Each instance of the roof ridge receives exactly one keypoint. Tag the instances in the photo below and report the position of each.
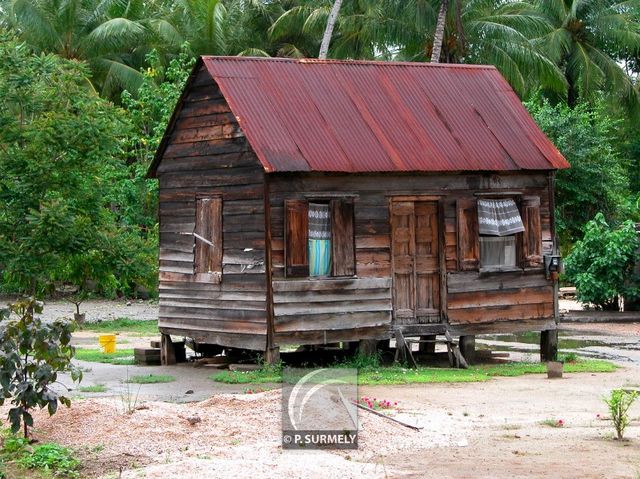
(317, 61)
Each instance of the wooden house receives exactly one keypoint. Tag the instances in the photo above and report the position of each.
(311, 202)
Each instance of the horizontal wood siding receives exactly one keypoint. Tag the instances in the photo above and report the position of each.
(208, 155)
(475, 298)
(371, 194)
(312, 309)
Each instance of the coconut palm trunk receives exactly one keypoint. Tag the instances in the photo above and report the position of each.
(439, 35)
(331, 21)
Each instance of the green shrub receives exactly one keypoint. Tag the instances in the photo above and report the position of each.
(601, 264)
(32, 353)
(619, 402)
(52, 458)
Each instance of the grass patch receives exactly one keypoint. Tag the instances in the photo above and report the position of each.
(374, 375)
(124, 325)
(266, 374)
(151, 379)
(19, 459)
(121, 356)
(96, 388)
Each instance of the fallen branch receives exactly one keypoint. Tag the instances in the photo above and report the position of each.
(410, 426)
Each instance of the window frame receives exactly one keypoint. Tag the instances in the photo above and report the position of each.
(339, 205)
(528, 244)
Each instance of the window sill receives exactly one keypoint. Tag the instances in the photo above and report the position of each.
(500, 269)
(510, 269)
(316, 278)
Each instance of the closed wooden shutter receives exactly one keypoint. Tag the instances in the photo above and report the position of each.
(296, 237)
(208, 258)
(532, 236)
(342, 238)
(468, 236)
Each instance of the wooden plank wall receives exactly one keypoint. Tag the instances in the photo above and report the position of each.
(373, 246)
(319, 311)
(208, 154)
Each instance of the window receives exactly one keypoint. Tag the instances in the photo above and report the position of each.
(499, 221)
(207, 258)
(319, 238)
(496, 234)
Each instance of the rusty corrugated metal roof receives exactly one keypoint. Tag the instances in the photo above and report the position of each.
(359, 116)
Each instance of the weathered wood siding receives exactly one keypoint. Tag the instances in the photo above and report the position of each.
(321, 311)
(208, 155)
(472, 298)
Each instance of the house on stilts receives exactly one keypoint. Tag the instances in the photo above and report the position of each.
(310, 202)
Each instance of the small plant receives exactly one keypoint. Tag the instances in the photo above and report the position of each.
(52, 458)
(569, 357)
(377, 404)
(255, 390)
(553, 422)
(32, 353)
(129, 401)
(619, 402)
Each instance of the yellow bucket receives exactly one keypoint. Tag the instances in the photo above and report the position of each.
(107, 343)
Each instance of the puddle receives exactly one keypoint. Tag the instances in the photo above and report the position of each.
(592, 345)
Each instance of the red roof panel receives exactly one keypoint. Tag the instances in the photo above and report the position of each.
(356, 116)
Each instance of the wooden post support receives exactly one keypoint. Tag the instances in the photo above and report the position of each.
(167, 352)
(427, 348)
(467, 346)
(272, 356)
(368, 347)
(549, 345)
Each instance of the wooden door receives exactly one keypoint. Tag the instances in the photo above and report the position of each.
(416, 259)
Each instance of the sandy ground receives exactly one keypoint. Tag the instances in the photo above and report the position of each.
(476, 430)
(98, 309)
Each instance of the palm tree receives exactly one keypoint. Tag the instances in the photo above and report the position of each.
(361, 30)
(587, 42)
(438, 37)
(480, 32)
(113, 36)
(217, 27)
(331, 21)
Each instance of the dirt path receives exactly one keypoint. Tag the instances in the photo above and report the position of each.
(491, 429)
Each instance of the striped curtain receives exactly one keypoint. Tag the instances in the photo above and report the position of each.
(499, 217)
(319, 240)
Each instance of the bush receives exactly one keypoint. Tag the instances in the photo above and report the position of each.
(601, 265)
(619, 403)
(32, 354)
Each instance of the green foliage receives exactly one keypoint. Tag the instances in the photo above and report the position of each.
(62, 157)
(32, 354)
(598, 178)
(121, 356)
(151, 379)
(52, 458)
(601, 264)
(619, 403)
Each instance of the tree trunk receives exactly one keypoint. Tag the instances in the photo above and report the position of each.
(331, 21)
(439, 35)
(572, 94)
